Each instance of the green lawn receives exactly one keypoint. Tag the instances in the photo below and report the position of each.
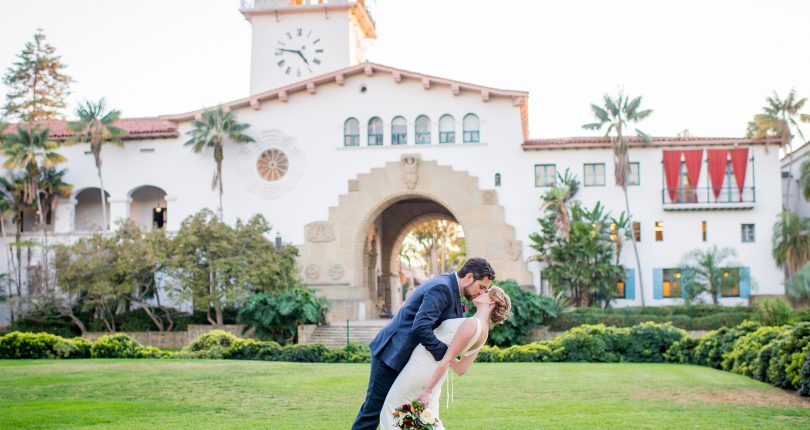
(200, 394)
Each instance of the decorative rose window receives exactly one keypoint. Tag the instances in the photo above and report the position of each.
(272, 165)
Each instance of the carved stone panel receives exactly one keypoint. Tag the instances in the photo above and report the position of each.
(488, 197)
(336, 272)
(320, 232)
(312, 272)
(410, 170)
(512, 249)
(354, 185)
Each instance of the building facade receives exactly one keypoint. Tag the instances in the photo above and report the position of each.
(351, 155)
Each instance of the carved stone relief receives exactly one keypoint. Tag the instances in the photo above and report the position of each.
(410, 170)
(336, 272)
(512, 249)
(312, 272)
(320, 232)
(489, 197)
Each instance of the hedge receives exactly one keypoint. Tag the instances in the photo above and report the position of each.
(687, 317)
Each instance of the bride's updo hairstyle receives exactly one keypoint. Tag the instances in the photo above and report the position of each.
(503, 305)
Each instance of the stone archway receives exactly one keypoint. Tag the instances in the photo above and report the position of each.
(335, 257)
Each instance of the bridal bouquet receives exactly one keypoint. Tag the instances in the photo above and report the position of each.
(415, 416)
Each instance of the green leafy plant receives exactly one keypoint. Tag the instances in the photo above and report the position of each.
(773, 311)
(276, 316)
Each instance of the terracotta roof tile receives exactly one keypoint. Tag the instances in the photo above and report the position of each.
(657, 141)
(137, 128)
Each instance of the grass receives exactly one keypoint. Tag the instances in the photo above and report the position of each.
(211, 394)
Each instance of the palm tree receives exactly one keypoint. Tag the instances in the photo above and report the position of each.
(704, 270)
(31, 149)
(96, 126)
(618, 113)
(212, 130)
(12, 193)
(52, 187)
(791, 241)
(778, 118)
(558, 200)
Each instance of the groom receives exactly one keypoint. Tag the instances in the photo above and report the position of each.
(436, 300)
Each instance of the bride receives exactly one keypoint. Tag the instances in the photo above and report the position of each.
(423, 376)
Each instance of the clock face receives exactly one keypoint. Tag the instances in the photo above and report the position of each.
(299, 52)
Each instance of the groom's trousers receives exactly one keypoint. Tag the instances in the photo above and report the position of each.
(381, 379)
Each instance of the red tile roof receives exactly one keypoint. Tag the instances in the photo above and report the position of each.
(604, 142)
(137, 128)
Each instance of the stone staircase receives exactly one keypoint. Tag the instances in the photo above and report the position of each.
(334, 334)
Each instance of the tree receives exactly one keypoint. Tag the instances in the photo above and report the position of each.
(778, 118)
(791, 241)
(558, 199)
(582, 261)
(31, 149)
(96, 126)
(37, 83)
(618, 113)
(211, 131)
(12, 190)
(798, 287)
(52, 187)
(706, 270)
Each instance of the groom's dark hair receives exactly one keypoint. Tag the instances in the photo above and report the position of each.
(479, 267)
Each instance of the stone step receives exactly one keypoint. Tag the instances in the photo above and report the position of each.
(334, 335)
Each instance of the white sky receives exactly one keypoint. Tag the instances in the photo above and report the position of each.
(702, 65)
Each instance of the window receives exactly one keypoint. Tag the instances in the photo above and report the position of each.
(447, 129)
(730, 282)
(635, 174)
(614, 236)
(703, 230)
(620, 289)
(637, 231)
(595, 175)
(399, 131)
(351, 132)
(497, 179)
(545, 175)
(375, 132)
(659, 231)
(470, 126)
(422, 130)
(747, 232)
(671, 287)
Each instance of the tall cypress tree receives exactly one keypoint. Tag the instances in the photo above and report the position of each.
(37, 85)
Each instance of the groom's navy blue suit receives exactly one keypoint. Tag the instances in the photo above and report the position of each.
(434, 301)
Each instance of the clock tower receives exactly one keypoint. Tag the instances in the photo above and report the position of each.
(294, 40)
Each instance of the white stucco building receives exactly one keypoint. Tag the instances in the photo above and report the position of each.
(350, 155)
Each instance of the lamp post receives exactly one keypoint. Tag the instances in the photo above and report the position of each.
(278, 241)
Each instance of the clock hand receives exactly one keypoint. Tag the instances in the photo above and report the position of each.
(302, 57)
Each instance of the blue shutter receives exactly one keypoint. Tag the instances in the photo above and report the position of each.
(745, 282)
(630, 284)
(658, 283)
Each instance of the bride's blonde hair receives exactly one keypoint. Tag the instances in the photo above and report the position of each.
(503, 305)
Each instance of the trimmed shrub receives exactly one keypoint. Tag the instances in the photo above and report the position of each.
(214, 344)
(648, 342)
(309, 353)
(687, 317)
(710, 349)
(122, 346)
(533, 352)
(589, 343)
(357, 352)
(773, 311)
(782, 351)
(682, 351)
(17, 345)
(743, 355)
(249, 349)
(804, 376)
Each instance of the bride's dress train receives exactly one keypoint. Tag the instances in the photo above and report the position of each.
(416, 374)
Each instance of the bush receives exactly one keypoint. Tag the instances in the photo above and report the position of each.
(804, 376)
(682, 351)
(533, 352)
(17, 345)
(648, 342)
(122, 346)
(309, 353)
(214, 344)
(786, 360)
(687, 317)
(773, 311)
(249, 349)
(712, 347)
(276, 316)
(588, 343)
(357, 352)
(743, 355)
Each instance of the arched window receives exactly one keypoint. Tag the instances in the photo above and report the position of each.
(447, 129)
(422, 130)
(471, 130)
(399, 131)
(375, 131)
(351, 132)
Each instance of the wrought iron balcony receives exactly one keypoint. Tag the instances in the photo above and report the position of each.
(702, 198)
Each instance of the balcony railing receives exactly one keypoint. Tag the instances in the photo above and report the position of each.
(703, 198)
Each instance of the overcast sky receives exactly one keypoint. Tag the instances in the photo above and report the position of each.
(706, 66)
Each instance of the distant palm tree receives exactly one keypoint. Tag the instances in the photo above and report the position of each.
(778, 118)
(791, 241)
(96, 126)
(618, 112)
(704, 270)
(12, 193)
(211, 131)
(51, 187)
(558, 199)
(31, 149)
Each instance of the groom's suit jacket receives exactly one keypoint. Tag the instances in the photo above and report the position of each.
(436, 300)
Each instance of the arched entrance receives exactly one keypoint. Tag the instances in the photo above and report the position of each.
(348, 258)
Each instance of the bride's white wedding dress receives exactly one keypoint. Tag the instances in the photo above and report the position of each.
(418, 371)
